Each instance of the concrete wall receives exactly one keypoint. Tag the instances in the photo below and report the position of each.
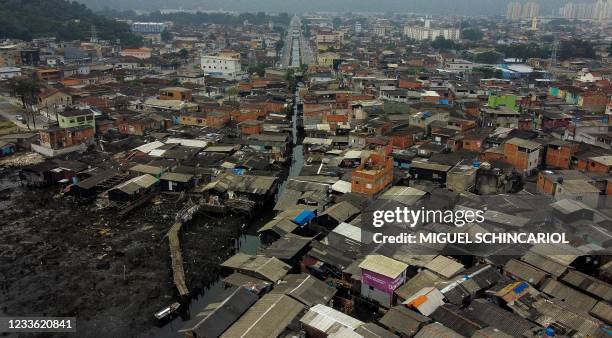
(48, 152)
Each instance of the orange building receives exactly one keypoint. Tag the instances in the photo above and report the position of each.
(332, 118)
(251, 127)
(217, 119)
(599, 164)
(373, 175)
(51, 74)
(410, 84)
(58, 138)
(474, 141)
(548, 180)
(559, 154)
(522, 154)
(175, 93)
(245, 115)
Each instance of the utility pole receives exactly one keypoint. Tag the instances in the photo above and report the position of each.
(553, 56)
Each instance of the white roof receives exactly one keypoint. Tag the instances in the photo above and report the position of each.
(9, 69)
(444, 266)
(383, 265)
(520, 68)
(430, 93)
(317, 141)
(168, 104)
(148, 147)
(349, 231)
(157, 152)
(353, 154)
(323, 318)
(433, 299)
(188, 142)
(342, 186)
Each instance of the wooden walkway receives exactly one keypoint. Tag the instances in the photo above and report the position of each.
(177, 259)
(178, 273)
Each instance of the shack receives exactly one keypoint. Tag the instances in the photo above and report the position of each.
(218, 317)
(95, 184)
(132, 189)
(271, 316)
(259, 266)
(429, 171)
(177, 182)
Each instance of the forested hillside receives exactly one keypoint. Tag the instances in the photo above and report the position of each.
(28, 19)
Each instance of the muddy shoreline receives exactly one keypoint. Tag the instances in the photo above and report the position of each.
(58, 258)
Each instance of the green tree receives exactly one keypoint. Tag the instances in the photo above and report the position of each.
(336, 21)
(442, 44)
(472, 34)
(166, 36)
(183, 54)
(232, 92)
(489, 72)
(488, 57)
(65, 20)
(258, 68)
(27, 91)
(576, 48)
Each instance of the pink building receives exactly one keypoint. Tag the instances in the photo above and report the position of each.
(139, 53)
(380, 276)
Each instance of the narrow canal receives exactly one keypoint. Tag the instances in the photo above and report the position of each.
(249, 241)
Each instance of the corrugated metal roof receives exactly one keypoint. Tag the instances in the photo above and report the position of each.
(176, 177)
(223, 316)
(305, 288)
(458, 320)
(403, 320)
(524, 271)
(383, 265)
(268, 318)
(147, 147)
(437, 330)
(371, 330)
(603, 311)
(269, 268)
(589, 284)
(147, 169)
(329, 320)
(499, 318)
(544, 264)
(571, 297)
(422, 279)
(524, 143)
(341, 211)
(444, 266)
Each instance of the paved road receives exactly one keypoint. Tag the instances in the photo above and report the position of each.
(9, 112)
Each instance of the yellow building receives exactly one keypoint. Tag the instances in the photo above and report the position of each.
(327, 59)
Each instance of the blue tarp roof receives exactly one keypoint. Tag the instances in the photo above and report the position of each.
(304, 217)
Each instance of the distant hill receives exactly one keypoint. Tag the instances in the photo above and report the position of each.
(28, 19)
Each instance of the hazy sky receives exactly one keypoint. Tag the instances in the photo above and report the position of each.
(460, 7)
